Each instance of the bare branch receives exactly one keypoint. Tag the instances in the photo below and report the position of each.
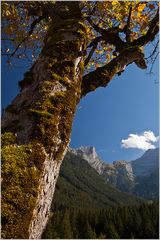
(33, 25)
(153, 56)
(93, 10)
(154, 51)
(93, 44)
(126, 29)
(153, 62)
(8, 39)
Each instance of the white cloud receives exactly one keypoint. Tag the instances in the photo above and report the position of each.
(143, 141)
(149, 135)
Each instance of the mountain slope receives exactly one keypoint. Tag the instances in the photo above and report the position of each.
(119, 173)
(80, 186)
(139, 177)
(146, 164)
(148, 186)
(146, 170)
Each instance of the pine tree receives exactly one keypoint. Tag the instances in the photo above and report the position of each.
(89, 232)
(102, 236)
(74, 223)
(132, 236)
(66, 231)
(119, 225)
(111, 232)
(148, 229)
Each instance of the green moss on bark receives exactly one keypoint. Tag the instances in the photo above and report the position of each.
(53, 114)
(8, 138)
(53, 117)
(21, 166)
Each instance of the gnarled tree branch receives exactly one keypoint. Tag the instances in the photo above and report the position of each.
(129, 53)
(103, 75)
(110, 35)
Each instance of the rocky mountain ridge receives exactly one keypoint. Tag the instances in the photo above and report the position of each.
(122, 174)
(79, 185)
(90, 155)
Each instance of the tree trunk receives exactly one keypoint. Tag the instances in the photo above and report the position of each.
(36, 126)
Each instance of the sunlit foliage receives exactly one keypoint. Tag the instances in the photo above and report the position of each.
(25, 23)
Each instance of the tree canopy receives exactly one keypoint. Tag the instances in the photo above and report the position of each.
(112, 28)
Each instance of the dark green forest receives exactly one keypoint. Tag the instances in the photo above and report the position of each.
(86, 207)
(122, 222)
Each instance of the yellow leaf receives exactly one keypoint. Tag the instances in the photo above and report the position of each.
(114, 3)
(8, 13)
(141, 7)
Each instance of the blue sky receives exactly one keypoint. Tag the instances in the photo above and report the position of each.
(128, 105)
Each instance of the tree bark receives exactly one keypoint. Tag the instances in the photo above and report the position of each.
(36, 126)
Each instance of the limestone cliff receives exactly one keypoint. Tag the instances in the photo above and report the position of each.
(138, 177)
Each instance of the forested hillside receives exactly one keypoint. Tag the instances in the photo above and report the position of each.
(80, 186)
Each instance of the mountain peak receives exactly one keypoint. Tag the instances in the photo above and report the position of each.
(90, 155)
(87, 149)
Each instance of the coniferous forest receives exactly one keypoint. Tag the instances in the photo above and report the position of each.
(122, 222)
(85, 207)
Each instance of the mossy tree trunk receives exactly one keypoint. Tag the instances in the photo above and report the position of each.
(36, 127)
